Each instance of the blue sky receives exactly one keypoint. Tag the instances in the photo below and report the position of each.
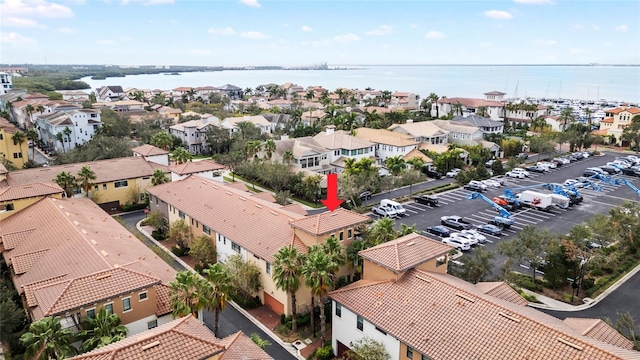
(305, 32)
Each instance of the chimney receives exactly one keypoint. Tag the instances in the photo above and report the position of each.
(330, 129)
(409, 121)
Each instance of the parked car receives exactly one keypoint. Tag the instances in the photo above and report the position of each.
(426, 200)
(490, 163)
(593, 171)
(472, 240)
(632, 171)
(611, 170)
(431, 173)
(439, 230)
(499, 178)
(537, 169)
(491, 183)
(523, 156)
(365, 195)
(385, 211)
(475, 185)
(574, 183)
(517, 175)
(489, 229)
(561, 160)
(458, 243)
(453, 173)
(548, 164)
(479, 237)
(455, 222)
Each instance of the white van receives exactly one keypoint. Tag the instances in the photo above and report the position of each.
(394, 205)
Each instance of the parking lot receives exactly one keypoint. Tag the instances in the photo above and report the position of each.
(556, 220)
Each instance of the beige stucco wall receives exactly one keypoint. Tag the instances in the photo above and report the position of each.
(21, 204)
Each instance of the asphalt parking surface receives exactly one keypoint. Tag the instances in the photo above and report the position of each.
(557, 220)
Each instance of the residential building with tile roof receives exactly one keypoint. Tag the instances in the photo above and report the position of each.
(404, 100)
(617, 119)
(408, 302)
(118, 181)
(495, 108)
(152, 154)
(307, 153)
(342, 145)
(110, 93)
(82, 123)
(193, 133)
(16, 153)
(69, 258)
(185, 338)
(240, 222)
(130, 107)
(259, 121)
(387, 143)
(487, 125)
(15, 198)
(204, 168)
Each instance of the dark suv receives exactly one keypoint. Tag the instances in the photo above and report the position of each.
(431, 173)
(426, 200)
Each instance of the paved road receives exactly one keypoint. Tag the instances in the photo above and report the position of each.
(231, 320)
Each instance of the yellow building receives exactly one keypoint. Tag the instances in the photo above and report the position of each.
(615, 122)
(15, 152)
(118, 182)
(15, 198)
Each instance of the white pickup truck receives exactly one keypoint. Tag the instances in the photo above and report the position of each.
(384, 210)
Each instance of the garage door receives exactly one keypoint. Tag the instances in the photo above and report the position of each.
(273, 304)
(342, 348)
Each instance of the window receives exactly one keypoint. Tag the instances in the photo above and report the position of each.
(425, 357)
(17, 155)
(341, 235)
(152, 324)
(126, 304)
(181, 214)
(206, 230)
(268, 269)
(7, 207)
(409, 352)
(360, 323)
(104, 186)
(338, 310)
(95, 188)
(121, 183)
(382, 331)
(143, 296)
(349, 234)
(235, 247)
(109, 308)
(91, 313)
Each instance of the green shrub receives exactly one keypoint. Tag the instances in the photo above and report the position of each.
(179, 251)
(588, 283)
(159, 234)
(597, 272)
(246, 303)
(325, 353)
(133, 207)
(283, 317)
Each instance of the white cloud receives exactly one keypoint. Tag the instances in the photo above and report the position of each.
(13, 21)
(66, 30)
(254, 35)
(34, 8)
(222, 31)
(534, 1)
(14, 38)
(346, 38)
(498, 14)
(382, 30)
(622, 28)
(544, 42)
(576, 51)
(252, 3)
(434, 35)
(306, 28)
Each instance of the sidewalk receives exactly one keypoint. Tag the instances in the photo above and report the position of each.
(552, 304)
(263, 327)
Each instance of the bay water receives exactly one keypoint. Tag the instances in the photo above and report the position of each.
(614, 83)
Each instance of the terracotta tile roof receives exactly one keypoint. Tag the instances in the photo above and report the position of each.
(184, 338)
(502, 291)
(105, 170)
(200, 124)
(67, 295)
(149, 150)
(29, 190)
(162, 300)
(419, 154)
(455, 126)
(194, 167)
(81, 239)
(260, 226)
(447, 318)
(470, 102)
(607, 120)
(599, 330)
(383, 136)
(400, 94)
(405, 252)
(240, 347)
(296, 208)
(423, 128)
(23, 262)
(341, 140)
(618, 110)
(329, 221)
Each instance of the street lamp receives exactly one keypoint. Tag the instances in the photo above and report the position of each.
(583, 262)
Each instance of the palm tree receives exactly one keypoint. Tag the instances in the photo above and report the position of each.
(32, 134)
(269, 148)
(287, 157)
(187, 294)
(181, 155)
(67, 182)
(457, 108)
(60, 139)
(251, 148)
(482, 111)
(566, 116)
(159, 177)
(287, 270)
(85, 175)
(310, 95)
(262, 343)
(46, 339)
(103, 329)
(433, 98)
(337, 255)
(217, 295)
(416, 162)
(40, 108)
(588, 112)
(395, 164)
(19, 138)
(67, 132)
(29, 110)
(162, 140)
(317, 272)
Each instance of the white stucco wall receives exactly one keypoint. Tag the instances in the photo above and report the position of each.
(344, 329)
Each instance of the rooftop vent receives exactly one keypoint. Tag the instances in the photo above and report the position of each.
(423, 279)
(259, 206)
(150, 345)
(107, 275)
(573, 345)
(273, 213)
(241, 198)
(228, 192)
(104, 253)
(465, 297)
(411, 243)
(509, 317)
(94, 242)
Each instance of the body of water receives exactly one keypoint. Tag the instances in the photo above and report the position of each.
(619, 83)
